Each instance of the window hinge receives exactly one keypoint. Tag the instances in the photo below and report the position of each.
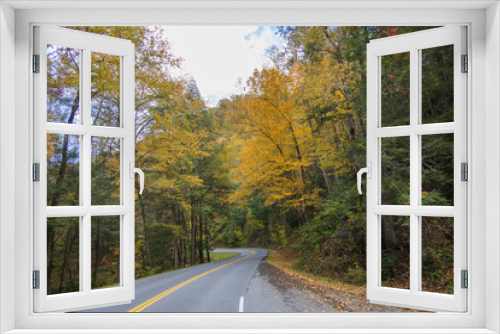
(36, 172)
(36, 63)
(464, 171)
(36, 279)
(465, 63)
(465, 279)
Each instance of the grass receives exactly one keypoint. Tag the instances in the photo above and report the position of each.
(222, 256)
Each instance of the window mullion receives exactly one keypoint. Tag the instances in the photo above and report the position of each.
(86, 121)
(103, 131)
(85, 245)
(415, 248)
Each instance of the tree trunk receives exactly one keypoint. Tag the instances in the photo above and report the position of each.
(50, 243)
(193, 232)
(64, 270)
(390, 241)
(96, 251)
(176, 252)
(326, 177)
(303, 211)
(184, 232)
(183, 253)
(64, 154)
(146, 249)
(207, 241)
(270, 221)
(200, 226)
(283, 218)
(176, 238)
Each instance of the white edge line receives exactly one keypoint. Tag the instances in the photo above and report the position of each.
(242, 300)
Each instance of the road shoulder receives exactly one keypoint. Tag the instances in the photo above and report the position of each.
(341, 297)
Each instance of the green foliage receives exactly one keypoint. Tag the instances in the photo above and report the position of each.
(333, 243)
(105, 241)
(274, 166)
(63, 255)
(325, 225)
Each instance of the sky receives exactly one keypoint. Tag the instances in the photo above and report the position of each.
(216, 56)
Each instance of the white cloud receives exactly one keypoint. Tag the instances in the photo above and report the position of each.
(216, 56)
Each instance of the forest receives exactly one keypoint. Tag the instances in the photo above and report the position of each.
(273, 167)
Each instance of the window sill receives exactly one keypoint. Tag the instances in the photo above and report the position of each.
(253, 331)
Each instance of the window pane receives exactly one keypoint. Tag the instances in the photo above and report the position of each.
(395, 251)
(105, 171)
(105, 103)
(437, 254)
(395, 89)
(437, 84)
(63, 84)
(63, 251)
(437, 169)
(105, 251)
(63, 170)
(395, 168)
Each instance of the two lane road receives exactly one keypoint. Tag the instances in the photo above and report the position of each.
(212, 287)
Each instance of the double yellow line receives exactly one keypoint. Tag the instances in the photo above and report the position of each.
(165, 293)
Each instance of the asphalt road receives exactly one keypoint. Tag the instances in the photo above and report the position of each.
(232, 285)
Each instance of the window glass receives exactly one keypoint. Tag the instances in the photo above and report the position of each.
(395, 168)
(395, 251)
(105, 171)
(105, 252)
(395, 81)
(438, 169)
(105, 103)
(63, 255)
(63, 170)
(63, 85)
(437, 84)
(437, 254)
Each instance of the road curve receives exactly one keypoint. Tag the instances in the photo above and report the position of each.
(211, 287)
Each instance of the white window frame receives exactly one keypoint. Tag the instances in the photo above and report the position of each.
(483, 131)
(414, 43)
(86, 43)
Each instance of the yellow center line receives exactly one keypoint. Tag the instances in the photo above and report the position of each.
(156, 298)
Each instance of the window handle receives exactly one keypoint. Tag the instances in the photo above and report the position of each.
(368, 171)
(134, 170)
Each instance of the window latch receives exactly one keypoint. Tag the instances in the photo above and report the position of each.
(368, 171)
(132, 171)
